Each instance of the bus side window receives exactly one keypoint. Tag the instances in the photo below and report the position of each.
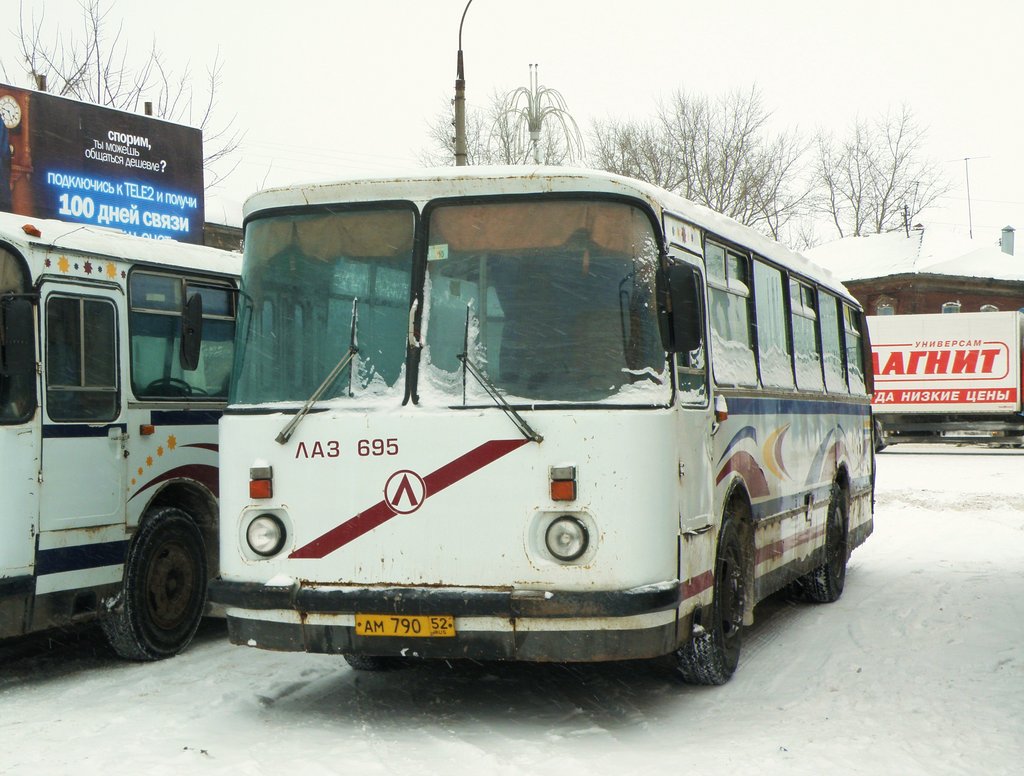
(854, 350)
(688, 335)
(831, 344)
(772, 330)
(155, 329)
(81, 359)
(806, 339)
(731, 331)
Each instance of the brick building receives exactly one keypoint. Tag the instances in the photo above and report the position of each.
(923, 271)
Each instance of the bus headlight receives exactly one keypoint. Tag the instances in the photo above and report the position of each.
(567, 538)
(265, 535)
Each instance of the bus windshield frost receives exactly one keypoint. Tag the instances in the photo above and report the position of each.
(553, 300)
(543, 415)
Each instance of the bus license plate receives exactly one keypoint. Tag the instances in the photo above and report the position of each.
(409, 626)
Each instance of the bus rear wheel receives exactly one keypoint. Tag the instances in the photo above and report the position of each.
(713, 652)
(164, 590)
(824, 584)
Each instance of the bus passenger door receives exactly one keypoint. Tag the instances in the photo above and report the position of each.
(84, 430)
(694, 402)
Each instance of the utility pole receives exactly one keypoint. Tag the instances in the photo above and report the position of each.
(460, 100)
(967, 180)
(967, 177)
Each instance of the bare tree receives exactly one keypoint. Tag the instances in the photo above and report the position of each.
(490, 138)
(730, 160)
(636, 149)
(718, 152)
(93, 64)
(875, 176)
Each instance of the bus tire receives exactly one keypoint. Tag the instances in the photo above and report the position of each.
(374, 662)
(713, 652)
(824, 584)
(164, 590)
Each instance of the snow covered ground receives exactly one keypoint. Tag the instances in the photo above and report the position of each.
(918, 669)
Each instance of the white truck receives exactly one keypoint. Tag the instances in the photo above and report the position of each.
(950, 378)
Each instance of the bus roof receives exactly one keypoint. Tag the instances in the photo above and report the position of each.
(113, 244)
(424, 185)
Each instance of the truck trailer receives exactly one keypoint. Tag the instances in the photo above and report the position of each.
(952, 378)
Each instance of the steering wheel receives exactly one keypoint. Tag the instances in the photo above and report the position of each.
(173, 385)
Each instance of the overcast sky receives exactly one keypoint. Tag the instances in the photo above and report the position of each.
(332, 89)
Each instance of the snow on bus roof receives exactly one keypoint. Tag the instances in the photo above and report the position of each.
(423, 185)
(112, 243)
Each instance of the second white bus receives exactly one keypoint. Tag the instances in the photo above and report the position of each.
(115, 354)
(532, 414)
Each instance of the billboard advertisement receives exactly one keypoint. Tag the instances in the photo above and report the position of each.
(64, 159)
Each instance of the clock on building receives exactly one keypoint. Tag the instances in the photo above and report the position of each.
(10, 111)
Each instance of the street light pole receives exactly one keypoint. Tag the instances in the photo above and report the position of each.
(460, 100)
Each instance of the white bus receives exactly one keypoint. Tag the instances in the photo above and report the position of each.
(115, 357)
(532, 414)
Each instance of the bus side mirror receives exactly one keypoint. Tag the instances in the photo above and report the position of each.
(191, 332)
(680, 313)
(17, 337)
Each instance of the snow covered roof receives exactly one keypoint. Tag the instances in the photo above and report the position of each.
(112, 243)
(923, 252)
(423, 185)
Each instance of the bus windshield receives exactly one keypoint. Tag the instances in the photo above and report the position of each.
(553, 300)
(314, 285)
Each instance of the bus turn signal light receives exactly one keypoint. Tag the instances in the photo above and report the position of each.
(563, 483)
(261, 482)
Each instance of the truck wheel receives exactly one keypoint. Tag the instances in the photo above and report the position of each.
(877, 437)
(824, 584)
(164, 590)
(712, 654)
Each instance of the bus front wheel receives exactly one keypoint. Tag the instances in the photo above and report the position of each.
(164, 589)
(375, 662)
(713, 652)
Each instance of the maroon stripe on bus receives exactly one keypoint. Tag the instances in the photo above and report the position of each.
(435, 482)
(698, 584)
(778, 548)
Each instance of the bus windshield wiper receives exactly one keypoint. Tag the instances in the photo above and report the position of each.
(492, 390)
(353, 349)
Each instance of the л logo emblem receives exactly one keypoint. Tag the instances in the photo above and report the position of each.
(405, 491)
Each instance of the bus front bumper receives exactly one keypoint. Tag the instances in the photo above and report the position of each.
(490, 624)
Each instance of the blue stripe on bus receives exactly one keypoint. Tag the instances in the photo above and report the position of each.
(185, 417)
(158, 418)
(79, 430)
(762, 405)
(84, 556)
(772, 507)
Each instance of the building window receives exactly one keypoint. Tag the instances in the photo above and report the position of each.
(884, 308)
(989, 308)
(951, 307)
